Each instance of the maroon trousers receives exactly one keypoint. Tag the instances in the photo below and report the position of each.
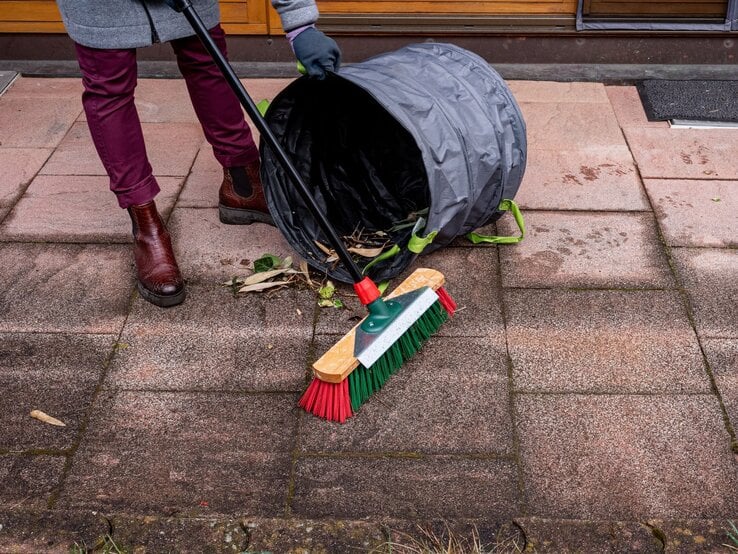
(109, 78)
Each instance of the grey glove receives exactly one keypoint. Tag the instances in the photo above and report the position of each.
(317, 52)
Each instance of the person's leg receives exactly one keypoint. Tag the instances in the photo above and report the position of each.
(109, 80)
(241, 197)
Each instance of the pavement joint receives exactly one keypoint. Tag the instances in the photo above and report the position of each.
(57, 490)
(690, 315)
(511, 392)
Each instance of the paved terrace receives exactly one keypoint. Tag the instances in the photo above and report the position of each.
(584, 398)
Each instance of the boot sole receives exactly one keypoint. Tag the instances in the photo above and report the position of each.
(160, 300)
(236, 216)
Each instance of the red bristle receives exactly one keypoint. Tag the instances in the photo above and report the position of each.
(330, 401)
(446, 301)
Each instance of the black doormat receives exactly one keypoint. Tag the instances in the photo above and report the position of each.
(694, 100)
(6, 77)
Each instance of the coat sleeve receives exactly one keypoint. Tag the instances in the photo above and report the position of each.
(296, 13)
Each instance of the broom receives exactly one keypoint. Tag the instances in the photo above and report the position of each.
(395, 329)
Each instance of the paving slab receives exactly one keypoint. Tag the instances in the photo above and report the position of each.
(46, 88)
(55, 373)
(27, 482)
(452, 397)
(19, 167)
(55, 532)
(570, 125)
(696, 213)
(552, 91)
(76, 154)
(684, 153)
(603, 342)
(151, 534)
(404, 486)
(694, 536)
(201, 453)
(603, 537)
(202, 184)
(211, 252)
(69, 208)
(308, 535)
(63, 288)
(586, 178)
(214, 341)
(722, 354)
(583, 249)
(29, 123)
(629, 109)
(710, 277)
(625, 457)
(471, 279)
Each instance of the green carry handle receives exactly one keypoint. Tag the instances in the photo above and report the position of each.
(505, 206)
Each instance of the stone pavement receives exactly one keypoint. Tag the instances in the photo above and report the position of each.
(585, 398)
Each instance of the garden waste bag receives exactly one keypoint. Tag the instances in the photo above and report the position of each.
(404, 152)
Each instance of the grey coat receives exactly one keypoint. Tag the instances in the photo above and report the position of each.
(137, 23)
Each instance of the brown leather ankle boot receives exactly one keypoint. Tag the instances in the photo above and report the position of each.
(241, 196)
(159, 280)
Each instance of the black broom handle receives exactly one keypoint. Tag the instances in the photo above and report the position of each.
(185, 6)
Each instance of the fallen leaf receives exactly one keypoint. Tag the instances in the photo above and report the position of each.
(286, 263)
(262, 276)
(366, 252)
(327, 291)
(258, 287)
(267, 262)
(325, 303)
(327, 251)
(715, 199)
(46, 418)
(305, 272)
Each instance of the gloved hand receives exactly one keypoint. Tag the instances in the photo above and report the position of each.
(316, 51)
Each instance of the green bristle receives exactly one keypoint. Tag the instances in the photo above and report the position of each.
(363, 382)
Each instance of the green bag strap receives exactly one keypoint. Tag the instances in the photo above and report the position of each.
(263, 106)
(386, 255)
(417, 244)
(505, 206)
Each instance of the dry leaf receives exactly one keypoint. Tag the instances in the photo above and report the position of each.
(262, 276)
(46, 418)
(258, 287)
(327, 251)
(305, 272)
(331, 259)
(366, 252)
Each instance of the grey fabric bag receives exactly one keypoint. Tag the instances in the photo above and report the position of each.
(412, 148)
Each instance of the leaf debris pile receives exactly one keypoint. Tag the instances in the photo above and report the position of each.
(271, 272)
